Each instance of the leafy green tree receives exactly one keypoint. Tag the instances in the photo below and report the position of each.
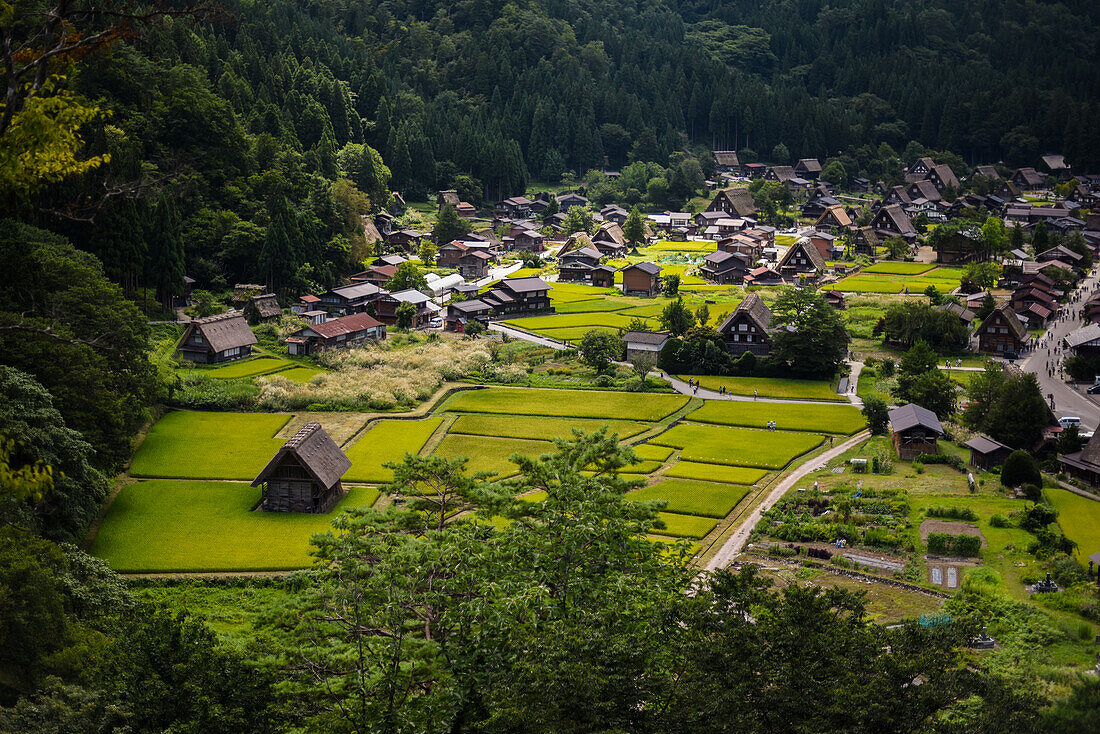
(76, 490)
(1070, 440)
(1019, 414)
(809, 338)
(935, 298)
(634, 227)
(781, 155)
(835, 173)
(449, 226)
(676, 318)
(1020, 468)
(918, 361)
(702, 314)
(427, 253)
(994, 235)
(897, 248)
(363, 165)
(64, 324)
(933, 390)
(1040, 238)
(579, 219)
(877, 414)
(406, 312)
(408, 275)
(982, 393)
(670, 284)
(1016, 237)
(600, 348)
(989, 304)
(980, 276)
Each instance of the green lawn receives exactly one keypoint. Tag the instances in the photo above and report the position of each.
(715, 473)
(386, 441)
(515, 426)
(166, 526)
(490, 453)
(843, 419)
(568, 403)
(771, 387)
(738, 446)
(709, 499)
(1079, 518)
(899, 268)
(685, 526)
(248, 368)
(199, 445)
(943, 278)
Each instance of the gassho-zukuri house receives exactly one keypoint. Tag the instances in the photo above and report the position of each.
(304, 476)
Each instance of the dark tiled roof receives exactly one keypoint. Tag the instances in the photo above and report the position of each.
(912, 415)
(985, 445)
(645, 337)
(648, 268)
(525, 285)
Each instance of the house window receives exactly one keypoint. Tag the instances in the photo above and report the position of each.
(742, 327)
(231, 352)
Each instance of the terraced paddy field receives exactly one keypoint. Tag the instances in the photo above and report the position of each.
(944, 279)
(899, 268)
(738, 446)
(166, 526)
(840, 419)
(685, 497)
(490, 453)
(715, 473)
(566, 403)
(685, 526)
(545, 429)
(771, 387)
(199, 445)
(387, 441)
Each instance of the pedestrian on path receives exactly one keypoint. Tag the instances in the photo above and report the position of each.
(754, 394)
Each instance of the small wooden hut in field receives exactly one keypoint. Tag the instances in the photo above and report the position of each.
(305, 475)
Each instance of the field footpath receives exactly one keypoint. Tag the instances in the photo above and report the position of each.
(736, 542)
(684, 389)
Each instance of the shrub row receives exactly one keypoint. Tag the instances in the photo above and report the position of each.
(954, 512)
(946, 544)
(952, 461)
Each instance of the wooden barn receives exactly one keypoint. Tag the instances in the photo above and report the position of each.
(262, 308)
(916, 431)
(985, 453)
(305, 475)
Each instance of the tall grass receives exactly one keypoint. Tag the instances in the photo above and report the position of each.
(376, 377)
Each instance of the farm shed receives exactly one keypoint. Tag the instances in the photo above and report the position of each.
(305, 475)
(916, 431)
(985, 453)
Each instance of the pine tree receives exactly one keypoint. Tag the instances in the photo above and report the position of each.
(634, 227)
(166, 262)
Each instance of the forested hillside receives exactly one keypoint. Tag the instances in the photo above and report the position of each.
(243, 134)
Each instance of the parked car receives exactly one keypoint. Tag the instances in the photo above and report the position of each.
(1093, 390)
(1069, 420)
(1011, 356)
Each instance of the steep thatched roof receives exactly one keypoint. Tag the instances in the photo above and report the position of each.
(315, 451)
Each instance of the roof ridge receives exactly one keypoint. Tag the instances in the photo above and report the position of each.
(302, 434)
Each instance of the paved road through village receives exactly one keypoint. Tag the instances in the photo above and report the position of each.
(1068, 401)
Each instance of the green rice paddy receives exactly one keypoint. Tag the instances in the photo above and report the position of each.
(1079, 518)
(166, 526)
(490, 453)
(771, 387)
(842, 419)
(715, 473)
(386, 441)
(685, 526)
(737, 446)
(514, 426)
(567, 403)
(709, 499)
(199, 445)
(899, 268)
